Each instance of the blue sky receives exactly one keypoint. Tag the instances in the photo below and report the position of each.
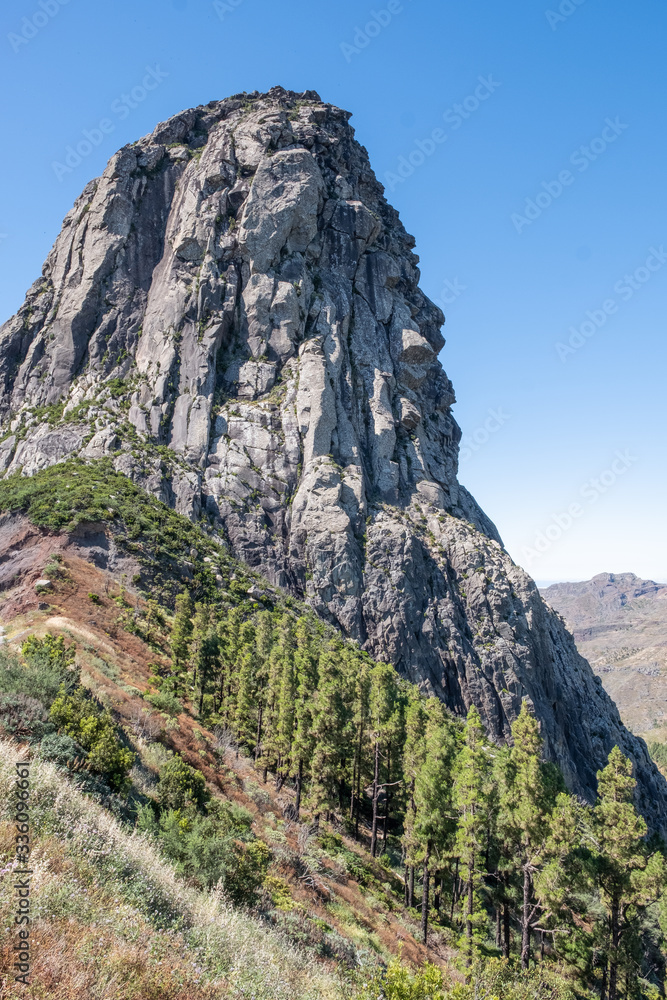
(537, 205)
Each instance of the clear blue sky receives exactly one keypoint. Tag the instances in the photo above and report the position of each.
(516, 286)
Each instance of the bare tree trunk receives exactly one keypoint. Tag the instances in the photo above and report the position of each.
(376, 782)
(469, 914)
(603, 986)
(525, 925)
(411, 896)
(425, 893)
(258, 738)
(499, 928)
(299, 785)
(455, 886)
(354, 788)
(358, 804)
(406, 885)
(615, 941)
(506, 929)
(387, 796)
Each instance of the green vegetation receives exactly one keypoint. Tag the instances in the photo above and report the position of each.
(73, 493)
(92, 728)
(494, 847)
(543, 895)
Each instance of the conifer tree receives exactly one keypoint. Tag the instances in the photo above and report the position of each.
(207, 663)
(628, 874)
(414, 752)
(435, 823)
(181, 632)
(358, 672)
(306, 666)
(472, 796)
(286, 711)
(382, 701)
(229, 634)
(200, 627)
(525, 808)
(246, 698)
(329, 734)
(264, 643)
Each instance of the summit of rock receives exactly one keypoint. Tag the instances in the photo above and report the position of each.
(232, 314)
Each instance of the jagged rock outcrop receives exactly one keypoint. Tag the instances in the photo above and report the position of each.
(232, 312)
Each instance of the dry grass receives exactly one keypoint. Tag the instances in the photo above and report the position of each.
(113, 922)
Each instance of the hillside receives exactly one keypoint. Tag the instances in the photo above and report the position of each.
(194, 835)
(619, 623)
(231, 316)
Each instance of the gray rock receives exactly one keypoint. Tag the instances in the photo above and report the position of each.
(261, 302)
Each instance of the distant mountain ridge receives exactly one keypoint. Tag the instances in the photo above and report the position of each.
(619, 622)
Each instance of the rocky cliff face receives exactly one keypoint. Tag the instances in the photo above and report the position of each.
(232, 312)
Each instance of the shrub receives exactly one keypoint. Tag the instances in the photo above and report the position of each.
(209, 849)
(181, 786)
(164, 701)
(22, 715)
(93, 728)
(247, 877)
(61, 749)
(50, 651)
(48, 669)
(397, 983)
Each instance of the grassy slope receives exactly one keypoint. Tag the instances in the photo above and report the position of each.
(334, 905)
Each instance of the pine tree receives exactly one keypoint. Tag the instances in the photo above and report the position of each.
(306, 665)
(200, 627)
(358, 672)
(264, 643)
(472, 796)
(414, 752)
(229, 634)
(435, 823)
(525, 808)
(329, 734)
(629, 875)
(382, 702)
(286, 712)
(207, 663)
(245, 720)
(181, 632)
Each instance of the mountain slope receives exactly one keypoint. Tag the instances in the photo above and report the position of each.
(619, 623)
(232, 315)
